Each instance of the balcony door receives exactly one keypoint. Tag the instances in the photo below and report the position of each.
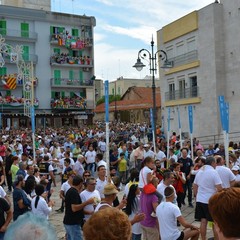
(171, 91)
(182, 90)
(193, 86)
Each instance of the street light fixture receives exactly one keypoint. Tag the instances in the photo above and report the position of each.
(153, 69)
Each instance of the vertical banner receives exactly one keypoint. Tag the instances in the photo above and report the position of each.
(106, 88)
(227, 117)
(190, 118)
(168, 132)
(153, 133)
(33, 119)
(180, 127)
(221, 103)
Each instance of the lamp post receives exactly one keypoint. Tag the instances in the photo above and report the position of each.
(153, 69)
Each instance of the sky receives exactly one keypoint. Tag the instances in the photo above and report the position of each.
(123, 27)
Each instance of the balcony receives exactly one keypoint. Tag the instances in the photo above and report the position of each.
(65, 60)
(182, 94)
(18, 81)
(26, 57)
(15, 102)
(17, 35)
(185, 58)
(66, 82)
(71, 42)
(69, 103)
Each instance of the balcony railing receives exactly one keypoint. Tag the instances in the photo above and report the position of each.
(66, 82)
(71, 41)
(15, 102)
(185, 58)
(11, 33)
(69, 103)
(26, 57)
(19, 82)
(66, 60)
(181, 94)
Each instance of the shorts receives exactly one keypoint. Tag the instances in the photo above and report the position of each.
(202, 211)
(181, 237)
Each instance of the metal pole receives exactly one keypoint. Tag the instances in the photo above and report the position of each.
(33, 122)
(152, 70)
(115, 110)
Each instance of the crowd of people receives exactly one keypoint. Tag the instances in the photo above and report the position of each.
(155, 185)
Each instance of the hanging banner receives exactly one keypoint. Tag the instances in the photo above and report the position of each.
(106, 87)
(227, 116)
(190, 118)
(221, 103)
(179, 120)
(169, 119)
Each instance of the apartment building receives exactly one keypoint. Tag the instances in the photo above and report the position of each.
(204, 48)
(60, 46)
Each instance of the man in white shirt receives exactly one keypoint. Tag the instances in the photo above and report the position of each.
(78, 166)
(90, 192)
(101, 180)
(90, 156)
(206, 183)
(226, 175)
(160, 155)
(168, 214)
(100, 161)
(148, 152)
(102, 145)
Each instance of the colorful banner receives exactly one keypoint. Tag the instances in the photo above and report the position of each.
(106, 87)
(190, 118)
(227, 116)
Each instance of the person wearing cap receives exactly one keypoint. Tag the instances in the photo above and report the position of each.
(148, 152)
(206, 183)
(227, 177)
(168, 214)
(235, 170)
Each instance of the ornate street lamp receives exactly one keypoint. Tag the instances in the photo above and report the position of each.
(153, 70)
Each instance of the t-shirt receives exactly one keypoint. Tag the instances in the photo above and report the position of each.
(70, 217)
(90, 156)
(19, 194)
(226, 176)
(187, 164)
(146, 202)
(14, 170)
(143, 176)
(206, 179)
(65, 187)
(167, 214)
(161, 188)
(4, 207)
(122, 165)
(85, 195)
(159, 156)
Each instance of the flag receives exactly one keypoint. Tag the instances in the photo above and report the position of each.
(10, 82)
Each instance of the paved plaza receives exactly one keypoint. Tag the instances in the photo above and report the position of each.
(57, 218)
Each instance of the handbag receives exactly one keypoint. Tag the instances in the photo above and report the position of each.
(148, 188)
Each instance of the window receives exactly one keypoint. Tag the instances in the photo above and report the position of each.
(75, 32)
(24, 30)
(83, 93)
(112, 91)
(169, 51)
(81, 76)
(171, 87)
(191, 44)
(119, 91)
(71, 75)
(57, 30)
(25, 53)
(182, 92)
(193, 86)
(3, 27)
(180, 48)
(3, 71)
(57, 77)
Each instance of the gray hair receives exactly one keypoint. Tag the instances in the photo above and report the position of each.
(210, 161)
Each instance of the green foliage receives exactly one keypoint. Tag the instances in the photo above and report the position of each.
(112, 98)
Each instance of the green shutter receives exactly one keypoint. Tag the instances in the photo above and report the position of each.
(51, 30)
(8, 93)
(75, 32)
(26, 53)
(80, 53)
(61, 30)
(71, 75)
(3, 71)
(24, 30)
(3, 27)
(57, 77)
(56, 50)
(72, 94)
(81, 76)
(70, 53)
(52, 94)
(62, 94)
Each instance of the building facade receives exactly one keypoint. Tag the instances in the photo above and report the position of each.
(61, 48)
(205, 52)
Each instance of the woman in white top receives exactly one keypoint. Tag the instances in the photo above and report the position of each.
(133, 208)
(146, 173)
(39, 205)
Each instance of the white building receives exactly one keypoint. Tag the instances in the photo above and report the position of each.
(205, 50)
(61, 48)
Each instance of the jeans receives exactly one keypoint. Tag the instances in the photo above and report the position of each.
(136, 236)
(73, 232)
(188, 187)
(91, 167)
(1, 235)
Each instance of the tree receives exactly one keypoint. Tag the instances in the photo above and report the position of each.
(112, 98)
